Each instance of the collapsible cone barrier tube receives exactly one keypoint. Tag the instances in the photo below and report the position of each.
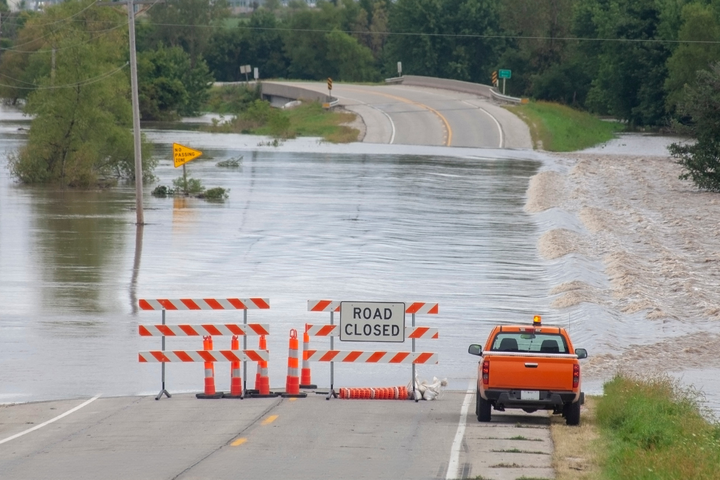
(390, 393)
(235, 376)
(292, 386)
(306, 380)
(209, 374)
(262, 380)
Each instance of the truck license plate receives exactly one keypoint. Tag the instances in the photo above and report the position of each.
(529, 395)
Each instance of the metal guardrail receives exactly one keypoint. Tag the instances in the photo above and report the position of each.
(454, 85)
(506, 98)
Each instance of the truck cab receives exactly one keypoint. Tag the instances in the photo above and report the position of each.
(529, 367)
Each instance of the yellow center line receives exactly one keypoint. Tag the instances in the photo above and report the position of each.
(269, 420)
(238, 442)
(412, 102)
(293, 399)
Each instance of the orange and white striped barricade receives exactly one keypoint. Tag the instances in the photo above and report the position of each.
(163, 330)
(332, 331)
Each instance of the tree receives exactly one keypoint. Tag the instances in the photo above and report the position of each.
(169, 88)
(699, 23)
(445, 38)
(631, 66)
(701, 103)
(347, 59)
(82, 115)
(187, 24)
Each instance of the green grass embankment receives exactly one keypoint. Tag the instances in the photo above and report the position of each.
(654, 430)
(558, 128)
(312, 120)
(256, 117)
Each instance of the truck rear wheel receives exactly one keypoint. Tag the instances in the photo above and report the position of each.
(572, 413)
(482, 408)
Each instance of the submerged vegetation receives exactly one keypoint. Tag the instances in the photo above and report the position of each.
(258, 117)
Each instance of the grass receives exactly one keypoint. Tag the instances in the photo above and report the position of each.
(645, 429)
(256, 117)
(655, 430)
(312, 120)
(558, 128)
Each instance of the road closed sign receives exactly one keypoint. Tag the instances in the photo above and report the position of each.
(372, 322)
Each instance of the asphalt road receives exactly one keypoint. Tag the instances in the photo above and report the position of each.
(407, 115)
(276, 438)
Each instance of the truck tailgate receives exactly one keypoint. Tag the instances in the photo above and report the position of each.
(547, 372)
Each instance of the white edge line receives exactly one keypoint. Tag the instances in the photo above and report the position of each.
(454, 463)
(392, 124)
(502, 139)
(72, 410)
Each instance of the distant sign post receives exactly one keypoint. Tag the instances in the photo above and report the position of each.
(399, 69)
(246, 70)
(182, 155)
(372, 322)
(504, 74)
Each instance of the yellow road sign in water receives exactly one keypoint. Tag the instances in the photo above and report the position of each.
(183, 154)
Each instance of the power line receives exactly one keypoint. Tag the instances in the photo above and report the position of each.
(67, 85)
(448, 35)
(98, 32)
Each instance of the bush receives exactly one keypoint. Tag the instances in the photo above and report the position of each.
(701, 108)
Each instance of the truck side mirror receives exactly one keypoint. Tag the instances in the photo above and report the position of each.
(475, 349)
(581, 353)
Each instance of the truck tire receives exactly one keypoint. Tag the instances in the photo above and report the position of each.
(482, 408)
(572, 413)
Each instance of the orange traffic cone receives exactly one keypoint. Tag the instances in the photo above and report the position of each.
(262, 380)
(292, 385)
(305, 374)
(235, 376)
(209, 374)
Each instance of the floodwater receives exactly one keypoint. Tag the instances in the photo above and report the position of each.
(304, 221)
(296, 227)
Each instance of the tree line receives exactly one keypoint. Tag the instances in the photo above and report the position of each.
(635, 60)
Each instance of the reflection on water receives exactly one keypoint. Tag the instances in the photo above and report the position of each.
(73, 243)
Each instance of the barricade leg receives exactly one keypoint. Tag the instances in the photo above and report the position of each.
(235, 376)
(306, 380)
(292, 386)
(209, 374)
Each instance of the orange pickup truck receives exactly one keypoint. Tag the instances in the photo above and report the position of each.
(531, 367)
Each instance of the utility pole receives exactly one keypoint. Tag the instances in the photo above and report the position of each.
(135, 101)
(136, 116)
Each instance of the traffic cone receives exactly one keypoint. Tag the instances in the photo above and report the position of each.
(292, 385)
(235, 376)
(262, 380)
(305, 374)
(209, 374)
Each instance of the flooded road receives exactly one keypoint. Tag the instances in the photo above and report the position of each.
(305, 220)
(297, 226)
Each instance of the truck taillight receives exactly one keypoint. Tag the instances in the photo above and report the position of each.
(576, 375)
(486, 372)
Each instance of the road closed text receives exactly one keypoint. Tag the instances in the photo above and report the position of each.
(372, 322)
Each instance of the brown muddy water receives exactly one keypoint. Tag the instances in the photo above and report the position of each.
(304, 220)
